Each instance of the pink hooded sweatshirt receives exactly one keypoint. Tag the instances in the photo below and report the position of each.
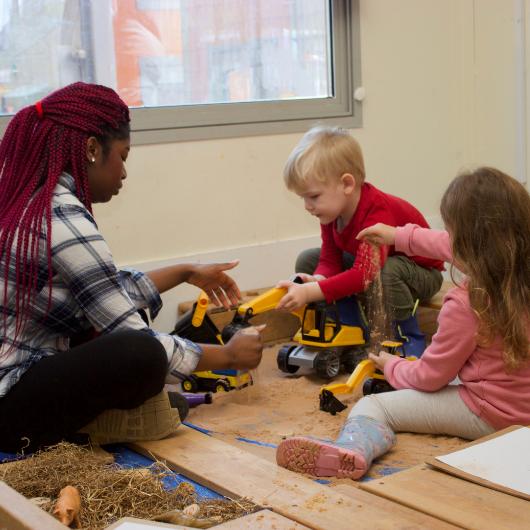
(500, 398)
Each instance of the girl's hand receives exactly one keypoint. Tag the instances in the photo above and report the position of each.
(296, 296)
(379, 234)
(244, 349)
(380, 359)
(212, 279)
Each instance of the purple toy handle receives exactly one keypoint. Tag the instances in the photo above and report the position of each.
(197, 399)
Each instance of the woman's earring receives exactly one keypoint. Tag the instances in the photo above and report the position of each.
(93, 159)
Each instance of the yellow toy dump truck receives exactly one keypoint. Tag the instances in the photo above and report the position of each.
(197, 326)
(332, 337)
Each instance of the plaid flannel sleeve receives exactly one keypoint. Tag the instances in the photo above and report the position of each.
(82, 258)
(141, 290)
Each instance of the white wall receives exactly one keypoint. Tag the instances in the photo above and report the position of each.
(440, 84)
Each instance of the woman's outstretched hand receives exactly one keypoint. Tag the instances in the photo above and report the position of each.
(379, 234)
(212, 279)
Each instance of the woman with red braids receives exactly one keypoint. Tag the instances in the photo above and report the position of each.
(58, 280)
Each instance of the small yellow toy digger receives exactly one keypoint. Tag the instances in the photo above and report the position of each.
(365, 373)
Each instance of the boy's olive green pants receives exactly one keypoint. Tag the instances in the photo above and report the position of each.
(404, 281)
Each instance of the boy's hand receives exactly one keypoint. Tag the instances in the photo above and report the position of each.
(295, 297)
(298, 294)
(379, 234)
(380, 359)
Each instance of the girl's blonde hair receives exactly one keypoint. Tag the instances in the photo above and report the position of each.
(487, 214)
(324, 153)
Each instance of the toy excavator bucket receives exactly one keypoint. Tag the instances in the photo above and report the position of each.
(329, 403)
(262, 303)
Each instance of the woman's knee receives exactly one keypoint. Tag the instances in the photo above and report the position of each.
(146, 353)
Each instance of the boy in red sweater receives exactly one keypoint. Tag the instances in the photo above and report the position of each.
(326, 169)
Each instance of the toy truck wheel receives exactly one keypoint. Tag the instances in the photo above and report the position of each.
(382, 386)
(350, 359)
(327, 364)
(190, 384)
(222, 385)
(376, 386)
(368, 387)
(283, 359)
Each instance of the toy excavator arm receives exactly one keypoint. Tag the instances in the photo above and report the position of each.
(262, 303)
(200, 309)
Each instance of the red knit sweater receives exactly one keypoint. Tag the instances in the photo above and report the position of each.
(374, 207)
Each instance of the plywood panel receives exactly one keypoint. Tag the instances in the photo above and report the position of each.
(17, 513)
(452, 499)
(234, 472)
(513, 461)
(262, 520)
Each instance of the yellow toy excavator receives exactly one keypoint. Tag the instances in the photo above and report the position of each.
(325, 342)
(365, 374)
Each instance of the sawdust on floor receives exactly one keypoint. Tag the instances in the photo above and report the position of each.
(280, 405)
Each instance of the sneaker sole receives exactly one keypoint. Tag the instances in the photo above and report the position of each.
(153, 420)
(319, 459)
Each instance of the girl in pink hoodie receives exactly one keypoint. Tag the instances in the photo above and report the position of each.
(483, 334)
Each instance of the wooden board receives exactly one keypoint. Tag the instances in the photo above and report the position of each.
(132, 523)
(236, 473)
(442, 466)
(452, 499)
(428, 321)
(17, 513)
(262, 520)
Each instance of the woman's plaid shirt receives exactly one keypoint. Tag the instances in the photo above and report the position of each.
(87, 291)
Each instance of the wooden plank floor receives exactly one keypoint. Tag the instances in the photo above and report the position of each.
(262, 520)
(452, 499)
(237, 473)
(17, 513)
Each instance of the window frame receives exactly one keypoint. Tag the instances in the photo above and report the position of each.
(150, 125)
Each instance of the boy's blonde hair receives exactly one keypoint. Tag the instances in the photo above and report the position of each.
(324, 153)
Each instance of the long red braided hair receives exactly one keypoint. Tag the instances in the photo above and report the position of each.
(41, 142)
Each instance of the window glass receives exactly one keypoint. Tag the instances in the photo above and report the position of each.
(158, 53)
(189, 69)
